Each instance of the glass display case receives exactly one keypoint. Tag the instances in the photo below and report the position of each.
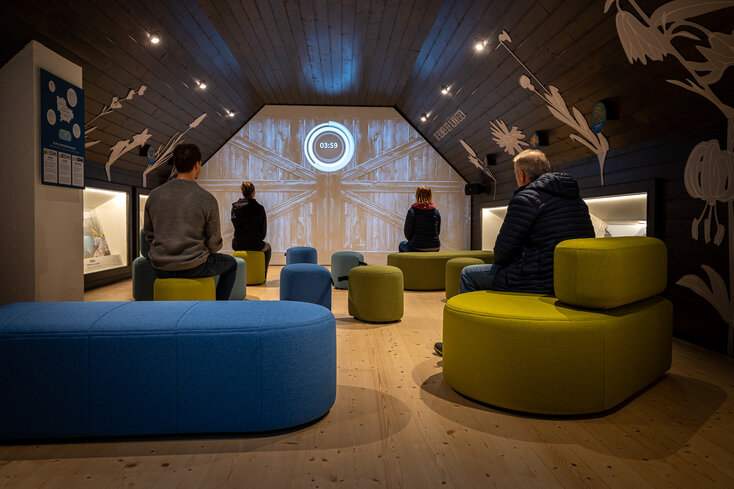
(612, 215)
(105, 230)
(141, 211)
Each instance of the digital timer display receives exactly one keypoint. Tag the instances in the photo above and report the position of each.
(329, 146)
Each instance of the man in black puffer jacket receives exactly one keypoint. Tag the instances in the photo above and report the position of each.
(545, 210)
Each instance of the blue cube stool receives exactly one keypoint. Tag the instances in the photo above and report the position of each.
(239, 290)
(301, 254)
(341, 263)
(306, 282)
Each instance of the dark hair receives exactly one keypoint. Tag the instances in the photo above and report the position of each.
(185, 157)
(247, 189)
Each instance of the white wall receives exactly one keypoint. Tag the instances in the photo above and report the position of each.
(41, 249)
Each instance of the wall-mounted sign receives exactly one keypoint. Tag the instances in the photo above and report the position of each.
(450, 123)
(329, 146)
(598, 117)
(62, 132)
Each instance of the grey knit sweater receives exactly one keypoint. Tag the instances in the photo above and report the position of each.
(182, 225)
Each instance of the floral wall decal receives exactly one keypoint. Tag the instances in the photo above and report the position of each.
(652, 37)
(597, 143)
(709, 172)
(115, 103)
(122, 147)
(164, 152)
(510, 140)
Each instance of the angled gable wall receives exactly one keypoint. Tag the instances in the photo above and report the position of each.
(359, 207)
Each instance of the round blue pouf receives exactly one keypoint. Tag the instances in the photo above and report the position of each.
(301, 254)
(341, 263)
(306, 282)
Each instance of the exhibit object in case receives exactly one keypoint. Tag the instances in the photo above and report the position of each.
(105, 230)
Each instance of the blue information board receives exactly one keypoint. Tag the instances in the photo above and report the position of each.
(62, 132)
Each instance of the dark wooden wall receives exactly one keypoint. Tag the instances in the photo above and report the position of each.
(661, 160)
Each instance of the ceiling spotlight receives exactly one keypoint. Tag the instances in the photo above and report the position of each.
(230, 113)
(154, 38)
(480, 45)
(445, 90)
(424, 117)
(201, 84)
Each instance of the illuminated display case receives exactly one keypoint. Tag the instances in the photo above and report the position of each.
(106, 230)
(141, 211)
(612, 214)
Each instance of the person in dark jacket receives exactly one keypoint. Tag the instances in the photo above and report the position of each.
(545, 210)
(422, 224)
(250, 224)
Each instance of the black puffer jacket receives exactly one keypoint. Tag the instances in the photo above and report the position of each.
(540, 215)
(250, 225)
(422, 226)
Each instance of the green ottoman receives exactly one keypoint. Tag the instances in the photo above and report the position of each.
(453, 273)
(376, 293)
(605, 337)
(255, 265)
(426, 270)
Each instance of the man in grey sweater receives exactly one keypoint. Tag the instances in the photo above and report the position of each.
(182, 226)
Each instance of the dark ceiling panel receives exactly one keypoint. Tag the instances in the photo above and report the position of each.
(358, 52)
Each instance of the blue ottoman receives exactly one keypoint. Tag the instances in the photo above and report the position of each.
(341, 263)
(301, 254)
(239, 290)
(80, 369)
(306, 282)
(143, 274)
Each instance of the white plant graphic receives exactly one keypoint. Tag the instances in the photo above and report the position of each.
(115, 103)
(122, 147)
(709, 173)
(164, 152)
(597, 143)
(474, 160)
(510, 140)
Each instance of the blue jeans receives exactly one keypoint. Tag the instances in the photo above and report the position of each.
(477, 277)
(216, 264)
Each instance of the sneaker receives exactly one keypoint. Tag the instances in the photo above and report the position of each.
(438, 348)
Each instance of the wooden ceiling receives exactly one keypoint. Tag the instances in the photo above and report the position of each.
(359, 52)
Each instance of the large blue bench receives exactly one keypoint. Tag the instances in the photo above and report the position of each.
(78, 369)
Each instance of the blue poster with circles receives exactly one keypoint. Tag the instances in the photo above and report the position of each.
(62, 132)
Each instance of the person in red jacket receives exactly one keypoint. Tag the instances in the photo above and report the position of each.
(422, 224)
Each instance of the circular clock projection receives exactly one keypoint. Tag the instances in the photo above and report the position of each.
(329, 146)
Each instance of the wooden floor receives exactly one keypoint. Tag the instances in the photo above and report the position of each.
(396, 424)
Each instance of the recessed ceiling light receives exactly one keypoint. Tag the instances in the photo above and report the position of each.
(479, 46)
(229, 113)
(155, 39)
(201, 84)
(445, 90)
(424, 117)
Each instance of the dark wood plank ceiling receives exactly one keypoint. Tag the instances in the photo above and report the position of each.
(358, 52)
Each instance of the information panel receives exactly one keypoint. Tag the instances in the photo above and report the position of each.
(62, 132)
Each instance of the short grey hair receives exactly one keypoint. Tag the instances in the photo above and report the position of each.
(532, 162)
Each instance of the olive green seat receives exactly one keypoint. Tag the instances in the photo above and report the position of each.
(426, 270)
(453, 273)
(254, 266)
(376, 293)
(603, 338)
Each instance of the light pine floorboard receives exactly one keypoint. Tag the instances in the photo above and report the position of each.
(396, 424)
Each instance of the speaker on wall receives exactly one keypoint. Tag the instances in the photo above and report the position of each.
(473, 188)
